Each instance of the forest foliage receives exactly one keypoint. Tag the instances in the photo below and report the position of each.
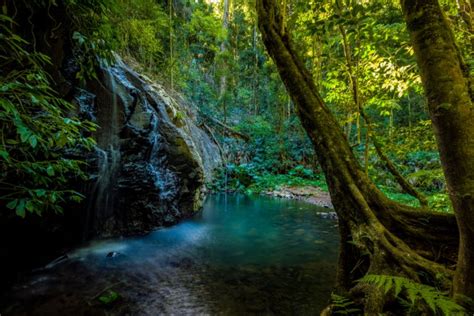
(40, 134)
(341, 41)
(187, 45)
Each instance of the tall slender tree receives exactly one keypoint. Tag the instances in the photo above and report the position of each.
(223, 78)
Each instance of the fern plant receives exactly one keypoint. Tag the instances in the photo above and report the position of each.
(415, 293)
(343, 306)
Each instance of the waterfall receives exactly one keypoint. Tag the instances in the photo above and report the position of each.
(108, 162)
(165, 180)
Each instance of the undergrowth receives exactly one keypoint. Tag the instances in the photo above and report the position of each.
(415, 296)
(251, 179)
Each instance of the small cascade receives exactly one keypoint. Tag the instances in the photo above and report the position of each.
(165, 180)
(108, 162)
(108, 159)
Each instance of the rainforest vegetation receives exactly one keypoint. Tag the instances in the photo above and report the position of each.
(370, 102)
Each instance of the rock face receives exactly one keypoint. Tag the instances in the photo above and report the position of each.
(148, 170)
(151, 161)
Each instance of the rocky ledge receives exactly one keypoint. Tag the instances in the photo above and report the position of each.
(308, 194)
(151, 160)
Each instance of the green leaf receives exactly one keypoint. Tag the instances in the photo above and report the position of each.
(398, 286)
(24, 133)
(12, 204)
(50, 171)
(20, 209)
(76, 198)
(4, 154)
(54, 197)
(61, 139)
(40, 192)
(109, 297)
(33, 141)
(30, 206)
(34, 99)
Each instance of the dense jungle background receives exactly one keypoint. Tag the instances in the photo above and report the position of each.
(120, 116)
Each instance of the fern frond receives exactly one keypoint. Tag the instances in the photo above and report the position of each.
(398, 286)
(436, 300)
(344, 306)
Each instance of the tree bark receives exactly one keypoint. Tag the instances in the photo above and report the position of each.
(378, 235)
(450, 102)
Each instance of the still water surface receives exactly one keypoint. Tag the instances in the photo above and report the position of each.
(240, 255)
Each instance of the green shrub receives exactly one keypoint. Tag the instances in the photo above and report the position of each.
(39, 134)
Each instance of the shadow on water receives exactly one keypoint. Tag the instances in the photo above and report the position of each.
(240, 255)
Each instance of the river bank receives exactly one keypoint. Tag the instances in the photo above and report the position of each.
(308, 194)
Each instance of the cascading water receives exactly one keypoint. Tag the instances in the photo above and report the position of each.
(165, 180)
(108, 160)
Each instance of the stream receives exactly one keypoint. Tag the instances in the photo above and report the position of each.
(239, 255)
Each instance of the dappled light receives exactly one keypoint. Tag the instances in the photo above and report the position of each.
(236, 157)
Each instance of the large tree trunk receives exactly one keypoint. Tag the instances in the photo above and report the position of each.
(378, 235)
(450, 101)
